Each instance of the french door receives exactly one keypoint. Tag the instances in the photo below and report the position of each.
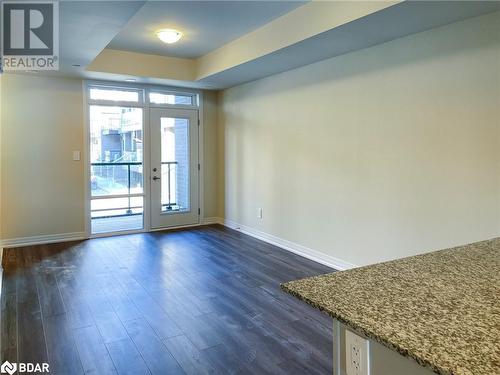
(174, 167)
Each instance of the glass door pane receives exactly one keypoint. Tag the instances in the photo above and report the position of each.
(174, 163)
(116, 178)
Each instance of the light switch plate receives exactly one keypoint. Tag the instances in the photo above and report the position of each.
(356, 352)
(76, 155)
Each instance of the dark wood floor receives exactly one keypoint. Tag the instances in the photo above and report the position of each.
(204, 300)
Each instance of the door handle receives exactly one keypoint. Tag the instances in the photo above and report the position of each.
(155, 178)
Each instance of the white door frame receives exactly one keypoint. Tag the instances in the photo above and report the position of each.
(86, 84)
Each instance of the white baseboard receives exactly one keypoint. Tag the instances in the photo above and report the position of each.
(38, 240)
(293, 247)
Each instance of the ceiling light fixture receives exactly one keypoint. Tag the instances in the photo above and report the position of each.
(130, 79)
(169, 36)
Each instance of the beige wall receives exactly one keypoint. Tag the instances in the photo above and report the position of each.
(374, 155)
(210, 154)
(42, 188)
(221, 157)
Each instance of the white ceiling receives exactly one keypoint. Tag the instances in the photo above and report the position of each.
(207, 25)
(86, 27)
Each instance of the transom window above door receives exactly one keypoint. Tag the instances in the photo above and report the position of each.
(115, 94)
(101, 94)
(156, 97)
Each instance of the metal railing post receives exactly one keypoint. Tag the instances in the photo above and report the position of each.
(169, 201)
(129, 210)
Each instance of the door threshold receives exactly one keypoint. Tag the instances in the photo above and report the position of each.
(176, 227)
(117, 233)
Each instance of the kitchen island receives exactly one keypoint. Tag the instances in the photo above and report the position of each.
(440, 309)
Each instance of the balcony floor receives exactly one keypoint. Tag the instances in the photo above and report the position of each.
(116, 224)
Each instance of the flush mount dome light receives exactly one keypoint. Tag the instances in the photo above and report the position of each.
(169, 35)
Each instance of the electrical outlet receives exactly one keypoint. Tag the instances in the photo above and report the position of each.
(356, 353)
(259, 213)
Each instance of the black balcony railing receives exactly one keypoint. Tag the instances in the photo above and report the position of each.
(128, 164)
(129, 208)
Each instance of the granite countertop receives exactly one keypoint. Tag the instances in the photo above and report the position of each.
(442, 308)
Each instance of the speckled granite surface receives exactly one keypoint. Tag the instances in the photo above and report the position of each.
(442, 309)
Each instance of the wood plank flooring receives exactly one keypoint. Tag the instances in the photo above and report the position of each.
(200, 301)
